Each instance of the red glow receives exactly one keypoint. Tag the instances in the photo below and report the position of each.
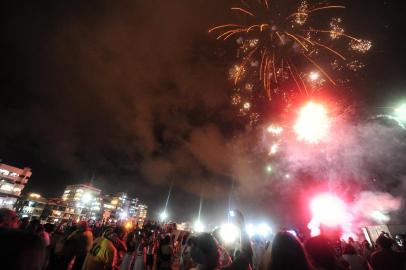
(329, 212)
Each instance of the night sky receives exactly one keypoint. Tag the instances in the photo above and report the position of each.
(134, 94)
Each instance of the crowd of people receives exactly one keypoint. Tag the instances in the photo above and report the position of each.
(30, 245)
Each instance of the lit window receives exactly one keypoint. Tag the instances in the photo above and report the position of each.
(6, 187)
(5, 172)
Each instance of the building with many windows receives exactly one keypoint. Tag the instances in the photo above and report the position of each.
(57, 210)
(32, 205)
(12, 182)
(142, 211)
(85, 199)
(119, 206)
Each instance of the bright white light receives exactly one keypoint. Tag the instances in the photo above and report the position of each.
(379, 217)
(163, 215)
(268, 168)
(229, 233)
(264, 230)
(313, 76)
(400, 113)
(328, 210)
(292, 232)
(87, 197)
(231, 213)
(123, 215)
(313, 123)
(250, 230)
(198, 226)
(274, 148)
(276, 130)
(287, 176)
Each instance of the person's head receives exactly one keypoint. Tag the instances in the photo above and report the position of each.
(40, 228)
(24, 223)
(205, 252)
(120, 232)
(384, 242)
(33, 226)
(83, 226)
(320, 252)
(349, 250)
(287, 253)
(24, 250)
(166, 240)
(350, 240)
(49, 228)
(8, 219)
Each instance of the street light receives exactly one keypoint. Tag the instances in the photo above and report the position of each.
(163, 216)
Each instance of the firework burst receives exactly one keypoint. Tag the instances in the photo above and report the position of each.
(283, 52)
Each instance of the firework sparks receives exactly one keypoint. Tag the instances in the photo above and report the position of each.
(302, 13)
(274, 149)
(275, 130)
(275, 49)
(355, 65)
(236, 72)
(336, 30)
(360, 45)
(313, 123)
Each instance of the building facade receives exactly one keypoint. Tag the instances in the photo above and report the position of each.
(119, 206)
(142, 211)
(32, 205)
(12, 182)
(57, 210)
(84, 199)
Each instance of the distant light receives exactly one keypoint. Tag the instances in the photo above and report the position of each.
(250, 230)
(400, 112)
(35, 195)
(87, 197)
(163, 215)
(264, 230)
(287, 176)
(379, 217)
(229, 233)
(247, 105)
(198, 226)
(128, 225)
(231, 213)
(276, 130)
(114, 202)
(313, 76)
(274, 148)
(123, 215)
(268, 168)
